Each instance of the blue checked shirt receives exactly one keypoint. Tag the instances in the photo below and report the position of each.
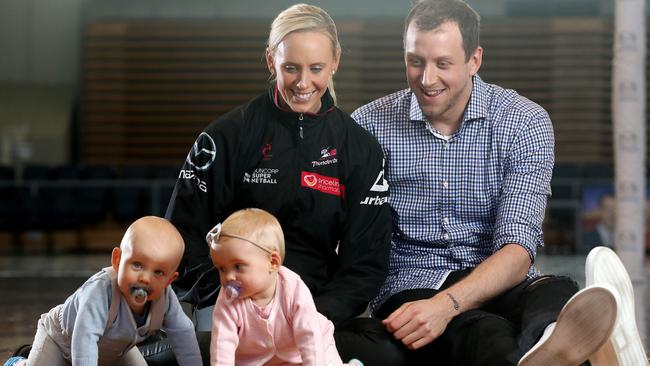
(456, 201)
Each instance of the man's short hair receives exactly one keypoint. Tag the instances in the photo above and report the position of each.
(430, 14)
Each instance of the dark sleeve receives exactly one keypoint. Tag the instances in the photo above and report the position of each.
(203, 192)
(365, 241)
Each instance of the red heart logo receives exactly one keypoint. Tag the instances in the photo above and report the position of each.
(310, 180)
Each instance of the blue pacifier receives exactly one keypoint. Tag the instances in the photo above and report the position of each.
(139, 295)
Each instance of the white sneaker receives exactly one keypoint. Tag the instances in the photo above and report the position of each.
(582, 327)
(624, 347)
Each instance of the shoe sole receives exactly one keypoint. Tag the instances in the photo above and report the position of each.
(625, 347)
(583, 326)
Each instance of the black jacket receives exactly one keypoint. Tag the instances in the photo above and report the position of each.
(321, 175)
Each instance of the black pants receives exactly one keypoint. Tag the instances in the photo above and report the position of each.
(497, 334)
(500, 332)
(157, 350)
(363, 338)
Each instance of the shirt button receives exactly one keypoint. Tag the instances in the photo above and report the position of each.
(446, 236)
(445, 220)
(445, 184)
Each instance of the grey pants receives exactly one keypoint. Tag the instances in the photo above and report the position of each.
(45, 352)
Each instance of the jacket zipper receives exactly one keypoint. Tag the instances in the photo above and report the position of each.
(299, 158)
(300, 119)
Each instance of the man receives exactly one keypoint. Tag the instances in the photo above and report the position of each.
(469, 166)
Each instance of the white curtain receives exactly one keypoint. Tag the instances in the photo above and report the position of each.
(628, 113)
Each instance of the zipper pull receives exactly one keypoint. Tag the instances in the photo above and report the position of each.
(300, 118)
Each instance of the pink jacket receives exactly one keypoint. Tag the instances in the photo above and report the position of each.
(295, 332)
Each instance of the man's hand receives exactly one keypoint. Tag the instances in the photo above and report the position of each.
(418, 323)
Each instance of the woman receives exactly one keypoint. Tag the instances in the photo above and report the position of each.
(292, 152)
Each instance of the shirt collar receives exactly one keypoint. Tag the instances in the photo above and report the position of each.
(477, 107)
(415, 113)
(479, 101)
